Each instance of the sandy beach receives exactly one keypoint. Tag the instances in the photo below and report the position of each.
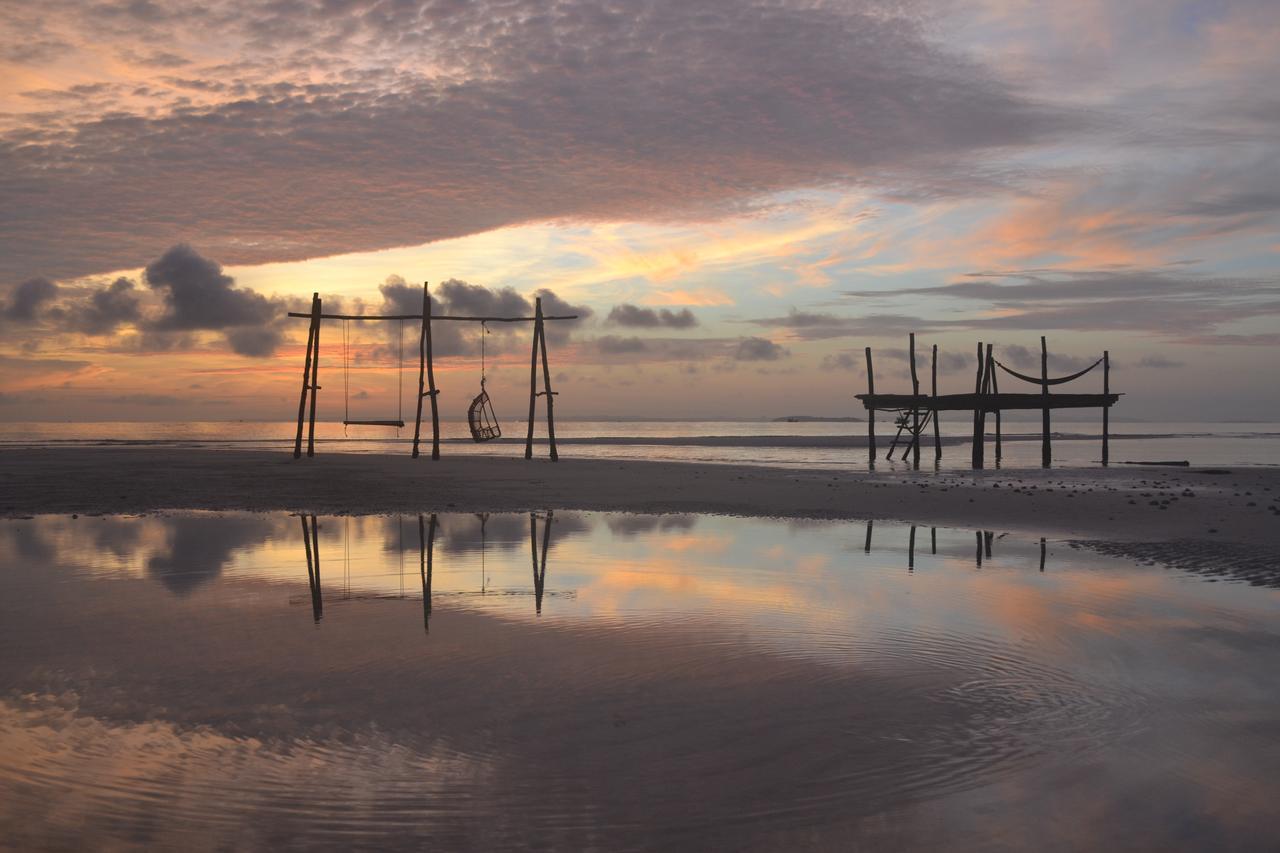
(1217, 506)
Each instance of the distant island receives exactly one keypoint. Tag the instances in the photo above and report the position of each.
(814, 419)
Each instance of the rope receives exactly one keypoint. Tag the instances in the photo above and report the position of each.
(346, 377)
(484, 331)
(400, 379)
(1035, 380)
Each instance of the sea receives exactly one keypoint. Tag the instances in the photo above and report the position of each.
(794, 444)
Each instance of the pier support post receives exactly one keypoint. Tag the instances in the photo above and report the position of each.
(871, 412)
(995, 390)
(1046, 450)
(978, 426)
(1106, 407)
(937, 435)
(915, 408)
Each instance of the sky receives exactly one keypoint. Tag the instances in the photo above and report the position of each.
(735, 197)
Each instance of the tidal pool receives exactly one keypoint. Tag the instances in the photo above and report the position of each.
(583, 681)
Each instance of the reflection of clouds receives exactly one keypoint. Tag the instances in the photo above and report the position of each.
(199, 546)
(634, 525)
(233, 792)
(26, 541)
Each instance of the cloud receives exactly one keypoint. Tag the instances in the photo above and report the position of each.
(461, 299)
(814, 326)
(198, 295)
(105, 309)
(1157, 361)
(759, 349)
(1167, 303)
(429, 124)
(254, 342)
(614, 345)
(27, 298)
(842, 361)
(649, 318)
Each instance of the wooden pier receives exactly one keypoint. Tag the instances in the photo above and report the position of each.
(915, 411)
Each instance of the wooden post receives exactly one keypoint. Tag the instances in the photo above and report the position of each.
(933, 540)
(1042, 553)
(911, 551)
(866, 549)
(978, 437)
(988, 381)
(915, 408)
(430, 382)
(306, 378)
(426, 552)
(871, 412)
(995, 390)
(546, 380)
(313, 573)
(533, 387)
(315, 371)
(1106, 407)
(424, 343)
(1046, 451)
(978, 536)
(937, 436)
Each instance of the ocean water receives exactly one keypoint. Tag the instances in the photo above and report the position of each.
(579, 681)
(823, 445)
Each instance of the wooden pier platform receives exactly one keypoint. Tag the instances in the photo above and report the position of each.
(984, 402)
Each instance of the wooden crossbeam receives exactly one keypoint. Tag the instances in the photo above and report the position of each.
(984, 402)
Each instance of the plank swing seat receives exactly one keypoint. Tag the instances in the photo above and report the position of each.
(347, 420)
(481, 419)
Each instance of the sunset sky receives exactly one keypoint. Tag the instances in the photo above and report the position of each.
(737, 197)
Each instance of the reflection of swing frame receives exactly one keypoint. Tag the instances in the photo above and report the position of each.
(427, 527)
(426, 376)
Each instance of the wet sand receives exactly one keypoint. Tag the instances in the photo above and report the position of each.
(1118, 504)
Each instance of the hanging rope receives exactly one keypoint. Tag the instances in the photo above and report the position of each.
(484, 331)
(400, 379)
(1035, 380)
(346, 376)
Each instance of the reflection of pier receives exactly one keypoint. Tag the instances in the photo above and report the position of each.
(428, 526)
(983, 539)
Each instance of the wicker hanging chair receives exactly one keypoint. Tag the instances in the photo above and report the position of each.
(480, 415)
(481, 419)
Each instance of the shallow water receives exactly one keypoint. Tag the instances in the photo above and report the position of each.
(790, 445)
(208, 681)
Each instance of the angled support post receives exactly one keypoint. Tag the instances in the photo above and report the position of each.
(540, 348)
(306, 378)
(427, 381)
(315, 371)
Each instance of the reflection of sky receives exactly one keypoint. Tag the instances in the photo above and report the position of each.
(169, 665)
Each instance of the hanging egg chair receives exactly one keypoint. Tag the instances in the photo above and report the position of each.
(480, 416)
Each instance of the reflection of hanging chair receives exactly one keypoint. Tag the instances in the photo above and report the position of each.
(480, 416)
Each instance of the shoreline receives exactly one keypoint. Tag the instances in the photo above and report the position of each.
(1122, 503)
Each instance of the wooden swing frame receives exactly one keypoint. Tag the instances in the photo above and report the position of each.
(426, 373)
